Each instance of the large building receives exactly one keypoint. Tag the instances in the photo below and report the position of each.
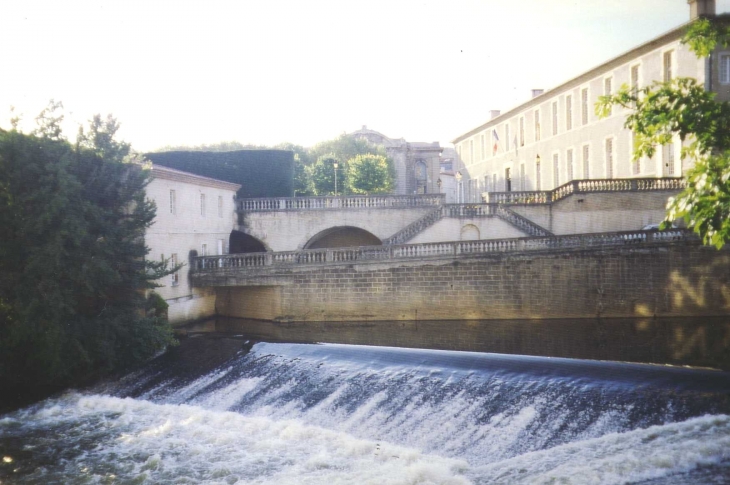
(417, 164)
(194, 213)
(556, 137)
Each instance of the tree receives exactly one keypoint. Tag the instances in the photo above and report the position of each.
(370, 174)
(343, 149)
(682, 107)
(323, 175)
(73, 278)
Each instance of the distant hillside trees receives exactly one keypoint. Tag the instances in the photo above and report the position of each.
(73, 275)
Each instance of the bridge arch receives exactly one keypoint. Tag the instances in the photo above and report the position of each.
(240, 242)
(342, 237)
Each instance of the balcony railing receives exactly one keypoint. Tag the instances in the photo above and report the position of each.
(456, 249)
(586, 187)
(341, 202)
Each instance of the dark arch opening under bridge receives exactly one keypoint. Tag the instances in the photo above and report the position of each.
(342, 237)
(240, 242)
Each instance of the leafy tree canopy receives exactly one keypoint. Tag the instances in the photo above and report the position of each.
(682, 107)
(370, 174)
(73, 276)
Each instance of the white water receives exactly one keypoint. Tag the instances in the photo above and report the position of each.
(346, 415)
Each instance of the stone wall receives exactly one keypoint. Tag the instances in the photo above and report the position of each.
(682, 279)
(598, 212)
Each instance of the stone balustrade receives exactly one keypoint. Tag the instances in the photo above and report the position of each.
(456, 249)
(340, 202)
(585, 187)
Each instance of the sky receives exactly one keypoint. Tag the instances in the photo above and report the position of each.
(270, 71)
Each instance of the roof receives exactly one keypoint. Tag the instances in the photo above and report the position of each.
(665, 38)
(166, 173)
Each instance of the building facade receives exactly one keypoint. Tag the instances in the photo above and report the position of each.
(416, 163)
(194, 213)
(556, 136)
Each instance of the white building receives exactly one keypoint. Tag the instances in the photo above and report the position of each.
(194, 213)
(556, 137)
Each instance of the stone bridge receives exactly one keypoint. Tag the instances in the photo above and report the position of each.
(413, 257)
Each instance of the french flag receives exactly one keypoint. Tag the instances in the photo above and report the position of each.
(495, 140)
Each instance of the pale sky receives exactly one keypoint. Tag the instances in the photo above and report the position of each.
(264, 72)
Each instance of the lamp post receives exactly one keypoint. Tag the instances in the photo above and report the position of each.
(438, 182)
(459, 188)
(335, 165)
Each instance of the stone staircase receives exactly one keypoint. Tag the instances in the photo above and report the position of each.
(466, 210)
(520, 222)
(415, 227)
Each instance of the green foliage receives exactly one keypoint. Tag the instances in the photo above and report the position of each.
(72, 271)
(370, 174)
(705, 203)
(344, 149)
(323, 175)
(681, 107)
(704, 35)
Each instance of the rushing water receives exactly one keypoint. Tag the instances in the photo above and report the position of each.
(233, 411)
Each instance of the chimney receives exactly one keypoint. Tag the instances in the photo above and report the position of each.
(701, 8)
(493, 114)
(537, 92)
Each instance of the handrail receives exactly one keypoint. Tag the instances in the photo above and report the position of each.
(456, 249)
(587, 186)
(447, 210)
(521, 222)
(338, 202)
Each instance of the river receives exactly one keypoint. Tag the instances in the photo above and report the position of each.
(225, 408)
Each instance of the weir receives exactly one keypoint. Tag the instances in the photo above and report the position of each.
(233, 410)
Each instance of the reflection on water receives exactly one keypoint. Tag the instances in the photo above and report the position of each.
(701, 342)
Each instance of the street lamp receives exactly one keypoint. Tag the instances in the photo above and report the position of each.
(438, 182)
(335, 164)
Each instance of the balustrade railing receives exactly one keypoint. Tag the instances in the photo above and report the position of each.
(340, 202)
(521, 222)
(585, 187)
(205, 264)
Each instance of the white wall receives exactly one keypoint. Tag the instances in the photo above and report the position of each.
(453, 229)
(182, 231)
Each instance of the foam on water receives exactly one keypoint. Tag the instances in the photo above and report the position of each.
(288, 413)
(161, 443)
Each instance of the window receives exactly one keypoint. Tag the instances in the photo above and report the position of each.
(173, 203)
(507, 180)
(221, 246)
(220, 206)
(569, 164)
(506, 138)
(725, 68)
(538, 181)
(584, 105)
(586, 162)
(523, 186)
(668, 159)
(667, 66)
(607, 90)
(202, 205)
(486, 183)
(569, 112)
(555, 118)
(537, 125)
(494, 182)
(204, 249)
(609, 158)
(174, 277)
(635, 164)
(522, 131)
(484, 153)
(556, 169)
(471, 150)
(635, 78)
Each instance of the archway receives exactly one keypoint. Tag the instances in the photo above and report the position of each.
(342, 237)
(421, 177)
(240, 242)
